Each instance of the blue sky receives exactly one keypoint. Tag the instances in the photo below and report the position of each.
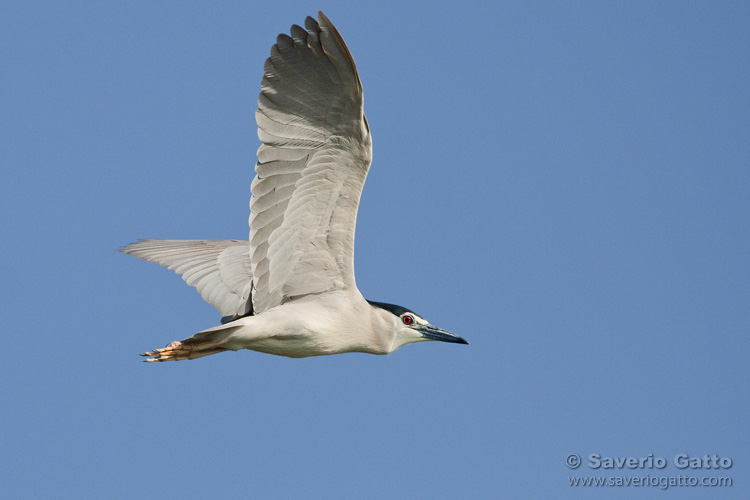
(563, 184)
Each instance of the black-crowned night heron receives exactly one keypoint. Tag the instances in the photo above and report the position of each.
(290, 289)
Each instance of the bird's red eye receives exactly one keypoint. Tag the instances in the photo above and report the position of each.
(408, 320)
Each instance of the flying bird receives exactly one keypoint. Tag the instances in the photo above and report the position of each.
(290, 290)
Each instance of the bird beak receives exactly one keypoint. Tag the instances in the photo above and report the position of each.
(434, 333)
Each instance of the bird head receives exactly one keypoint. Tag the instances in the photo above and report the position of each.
(411, 327)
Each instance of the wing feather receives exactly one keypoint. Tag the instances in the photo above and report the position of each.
(218, 269)
(311, 167)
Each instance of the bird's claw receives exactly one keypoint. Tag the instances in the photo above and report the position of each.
(175, 351)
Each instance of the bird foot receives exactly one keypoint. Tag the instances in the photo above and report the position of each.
(175, 351)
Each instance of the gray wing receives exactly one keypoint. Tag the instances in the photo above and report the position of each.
(219, 269)
(311, 167)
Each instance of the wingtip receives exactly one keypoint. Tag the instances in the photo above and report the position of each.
(127, 248)
(324, 21)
